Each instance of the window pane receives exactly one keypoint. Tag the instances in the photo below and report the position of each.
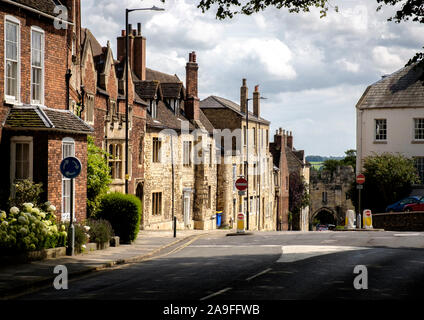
(11, 78)
(11, 41)
(419, 129)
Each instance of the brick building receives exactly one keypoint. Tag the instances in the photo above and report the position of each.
(180, 179)
(231, 118)
(38, 129)
(100, 101)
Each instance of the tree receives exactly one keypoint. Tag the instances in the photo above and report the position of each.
(350, 159)
(298, 197)
(388, 178)
(98, 176)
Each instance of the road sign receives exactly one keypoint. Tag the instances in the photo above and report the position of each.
(70, 167)
(241, 184)
(360, 178)
(359, 186)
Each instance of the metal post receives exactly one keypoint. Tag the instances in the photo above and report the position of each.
(247, 164)
(126, 98)
(175, 227)
(71, 231)
(358, 218)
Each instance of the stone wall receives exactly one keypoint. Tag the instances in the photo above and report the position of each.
(399, 221)
(336, 185)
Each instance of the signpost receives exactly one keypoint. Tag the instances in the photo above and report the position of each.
(360, 180)
(241, 185)
(70, 168)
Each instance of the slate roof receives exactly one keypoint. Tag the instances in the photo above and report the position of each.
(161, 77)
(36, 117)
(147, 89)
(214, 102)
(46, 6)
(402, 89)
(172, 90)
(166, 118)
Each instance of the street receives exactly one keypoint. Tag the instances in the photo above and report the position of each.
(265, 266)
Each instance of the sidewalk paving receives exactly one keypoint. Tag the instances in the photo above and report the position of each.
(18, 278)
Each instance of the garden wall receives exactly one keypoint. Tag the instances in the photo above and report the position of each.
(399, 221)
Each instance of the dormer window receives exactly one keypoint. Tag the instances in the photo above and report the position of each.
(153, 108)
(177, 106)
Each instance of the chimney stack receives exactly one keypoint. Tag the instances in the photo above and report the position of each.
(192, 103)
(243, 96)
(290, 140)
(256, 102)
(137, 50)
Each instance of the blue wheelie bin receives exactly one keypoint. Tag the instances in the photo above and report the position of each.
(218, 218)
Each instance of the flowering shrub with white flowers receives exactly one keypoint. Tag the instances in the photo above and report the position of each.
(29, 228)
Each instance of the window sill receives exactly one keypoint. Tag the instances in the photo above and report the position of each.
(380, 142)
(417, 141)
(11, 101)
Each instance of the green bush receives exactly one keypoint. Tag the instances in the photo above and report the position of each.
(29, 229)
(100, 231)
(123, 211)
(26, 191)
(98, 176)
(81, 236)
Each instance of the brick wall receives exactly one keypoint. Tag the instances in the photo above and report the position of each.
(399, 221)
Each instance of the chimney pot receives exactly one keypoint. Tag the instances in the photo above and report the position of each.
(129, 28)
(123, 33)
(256, 88)
(139, 29)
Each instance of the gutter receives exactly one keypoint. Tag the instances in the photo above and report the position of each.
(13, 3)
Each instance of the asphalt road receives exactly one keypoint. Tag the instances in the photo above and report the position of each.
(266, 266)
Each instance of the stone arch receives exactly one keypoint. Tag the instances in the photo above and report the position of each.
(324, 210)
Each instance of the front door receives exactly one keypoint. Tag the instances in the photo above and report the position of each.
(187, 219)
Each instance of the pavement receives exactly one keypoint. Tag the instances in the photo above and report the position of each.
(17, 279)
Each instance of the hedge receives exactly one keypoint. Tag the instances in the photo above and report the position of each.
(123, 211)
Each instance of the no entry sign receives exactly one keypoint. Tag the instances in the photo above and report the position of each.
(360, 178)
(241, 184)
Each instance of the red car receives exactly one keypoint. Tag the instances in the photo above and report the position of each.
(415, 206)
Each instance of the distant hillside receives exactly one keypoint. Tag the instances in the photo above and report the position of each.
(321, 158)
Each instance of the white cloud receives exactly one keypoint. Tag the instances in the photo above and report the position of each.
(312, 70)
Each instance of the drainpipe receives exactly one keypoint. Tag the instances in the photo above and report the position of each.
(67, 80)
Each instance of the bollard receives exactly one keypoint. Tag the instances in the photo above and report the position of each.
(241, 227)
(350, 219)
(367, 219)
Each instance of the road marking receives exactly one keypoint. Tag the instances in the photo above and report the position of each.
(259, 274)
(407, 234)
(215, 294)
(296, 253)
(234, 246)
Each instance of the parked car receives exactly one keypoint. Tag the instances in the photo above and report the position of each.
(398, 206)
(323, 227)
(415, 206)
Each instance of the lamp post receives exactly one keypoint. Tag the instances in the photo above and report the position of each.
(127, 31)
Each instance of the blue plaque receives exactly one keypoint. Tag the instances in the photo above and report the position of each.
(70, 167)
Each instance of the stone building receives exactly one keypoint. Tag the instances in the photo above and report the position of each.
(329, 195)
(230, 119)
(38, 128)
(297, 164)
(281, 179)
(179, 176)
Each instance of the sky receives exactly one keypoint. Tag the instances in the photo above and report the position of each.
(312, 70)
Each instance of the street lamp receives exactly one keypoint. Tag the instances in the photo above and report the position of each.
(247, 159)
(127, 31)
